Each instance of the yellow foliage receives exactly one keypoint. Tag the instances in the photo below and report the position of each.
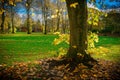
(26, 4)
(18, 0)
(106, 15)
(56, 10)
(33, 14)
(99, 50)
(56, 41)
(11, 2)
(74, 46)
(74, 5)
(63, 0)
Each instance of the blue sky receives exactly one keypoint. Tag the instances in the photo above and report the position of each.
(108, 4)
(105, 4)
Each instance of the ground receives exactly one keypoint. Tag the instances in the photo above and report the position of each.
(37, 60)
(59, 69)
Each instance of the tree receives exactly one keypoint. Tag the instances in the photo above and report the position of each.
(77, 12)
(112, 22)
(12, 4)
(3, 2)
(28, 6)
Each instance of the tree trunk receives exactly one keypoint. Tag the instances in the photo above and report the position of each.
(29, 2)
(45, 8)
(12, 20)
(58, 22)
(78, 28)
(3, 19)
(28, 23)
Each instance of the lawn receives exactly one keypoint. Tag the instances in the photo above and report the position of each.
(113, 46)
(21, 47)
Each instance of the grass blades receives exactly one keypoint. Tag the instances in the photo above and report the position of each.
(22, 47)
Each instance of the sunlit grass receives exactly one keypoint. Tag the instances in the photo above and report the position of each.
(21, 47)
(113, 45)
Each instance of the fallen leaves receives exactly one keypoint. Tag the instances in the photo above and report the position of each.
(18, 71)
(48, 69)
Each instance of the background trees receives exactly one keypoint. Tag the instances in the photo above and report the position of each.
(3, 2)
(112, 23)
(52, 15)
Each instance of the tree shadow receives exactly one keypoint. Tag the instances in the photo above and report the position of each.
(72, 63)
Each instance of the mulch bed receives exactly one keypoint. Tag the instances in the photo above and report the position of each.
(61, 69)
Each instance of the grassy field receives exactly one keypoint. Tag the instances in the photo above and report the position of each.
(112, 44)
(22, 47)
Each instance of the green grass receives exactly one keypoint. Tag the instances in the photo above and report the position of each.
(112, 44)
(21, 47)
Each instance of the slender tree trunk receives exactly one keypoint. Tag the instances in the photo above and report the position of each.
(78, 28)
(3, 19)
(58, 15)
(45, 21)
(45, 8)
(29, 29)
(28, 23)
(45, 31)
(12, 20)
(58, 22)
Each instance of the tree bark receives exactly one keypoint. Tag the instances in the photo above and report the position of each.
(3, 18)
(28, 23)
(29, 2)
(78, 28)
(45, 14)
(12, 20)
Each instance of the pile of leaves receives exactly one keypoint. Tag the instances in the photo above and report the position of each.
(61, 69)
(19, 71)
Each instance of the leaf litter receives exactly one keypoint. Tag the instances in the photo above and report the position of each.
(60, 69)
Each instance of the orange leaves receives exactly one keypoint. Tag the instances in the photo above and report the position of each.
(18, 71)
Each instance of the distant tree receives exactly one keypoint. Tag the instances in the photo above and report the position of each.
(12, 4)
(112, 22)
(28, 7)
(3, 3)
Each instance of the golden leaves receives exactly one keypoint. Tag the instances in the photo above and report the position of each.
(11, 2)
(63, 0)
(19, 70)
(62, 38)
(1, 11)
(33, 14)
(74, 46)
(74, 4)
(26, 4)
